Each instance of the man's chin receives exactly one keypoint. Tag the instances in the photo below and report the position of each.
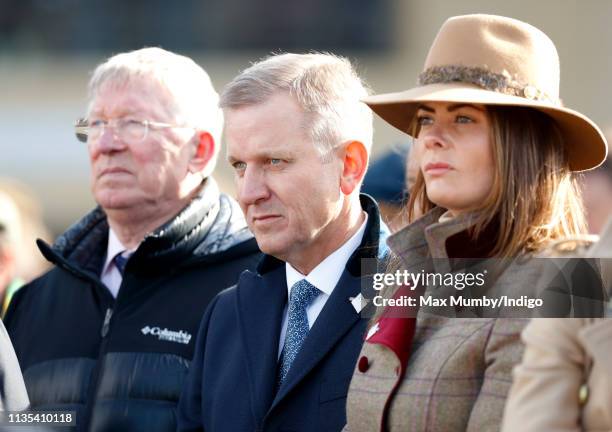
(115, 201)
(271, 246)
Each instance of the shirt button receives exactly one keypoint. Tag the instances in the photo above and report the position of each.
(363, 364)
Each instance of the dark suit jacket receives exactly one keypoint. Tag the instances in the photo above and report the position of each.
(232, 381)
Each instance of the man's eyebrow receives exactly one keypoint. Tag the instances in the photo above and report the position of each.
(266, 154)
(128, 111)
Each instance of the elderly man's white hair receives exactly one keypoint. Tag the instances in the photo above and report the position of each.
(326, 87)
(195, 99)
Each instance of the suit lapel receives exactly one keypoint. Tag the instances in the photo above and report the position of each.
(336, 319)
(261, 302)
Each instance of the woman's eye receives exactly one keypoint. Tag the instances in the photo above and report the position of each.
(275, 162)
(423, 120)
(464, 119)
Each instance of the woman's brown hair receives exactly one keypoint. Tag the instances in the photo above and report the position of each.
(535, 197)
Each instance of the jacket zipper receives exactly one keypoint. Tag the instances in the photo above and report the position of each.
(106, 324)
(83, 423)
(96, 375)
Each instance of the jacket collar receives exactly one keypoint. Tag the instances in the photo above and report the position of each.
(211, 223)
(444, 245)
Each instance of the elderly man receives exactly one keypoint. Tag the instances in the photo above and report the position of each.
(276, 351)
(110, 330)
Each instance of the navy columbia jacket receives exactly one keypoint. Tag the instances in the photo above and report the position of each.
(120, 363)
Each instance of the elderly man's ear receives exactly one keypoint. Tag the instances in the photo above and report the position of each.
(355, 160)
(203, 153)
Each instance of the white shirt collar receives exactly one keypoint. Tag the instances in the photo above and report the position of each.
(326, 274)
(114, 247)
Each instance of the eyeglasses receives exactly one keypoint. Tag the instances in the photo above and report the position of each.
(128, 130)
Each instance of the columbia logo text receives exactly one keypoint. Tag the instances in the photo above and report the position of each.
(167, 335)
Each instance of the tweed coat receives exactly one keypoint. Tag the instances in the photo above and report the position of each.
(564, 382)
(456, 373)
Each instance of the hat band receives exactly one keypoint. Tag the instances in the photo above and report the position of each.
(483, 78)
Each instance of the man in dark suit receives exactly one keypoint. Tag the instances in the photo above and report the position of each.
(276, 351)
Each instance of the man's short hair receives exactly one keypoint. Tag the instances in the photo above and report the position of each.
(325, 86)
(195, 98)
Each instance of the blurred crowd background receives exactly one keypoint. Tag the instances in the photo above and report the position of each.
(48, 48)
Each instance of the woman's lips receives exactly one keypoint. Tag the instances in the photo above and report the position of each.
(437, 168)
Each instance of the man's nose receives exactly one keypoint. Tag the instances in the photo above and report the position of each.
(109, 141)
(252, 187)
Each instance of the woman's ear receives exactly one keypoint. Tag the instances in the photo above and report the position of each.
(355, 164)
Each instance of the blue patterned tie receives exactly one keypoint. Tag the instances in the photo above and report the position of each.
(302, 295)
(120, 262)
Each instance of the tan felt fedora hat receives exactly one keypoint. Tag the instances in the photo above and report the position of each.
(494, 60)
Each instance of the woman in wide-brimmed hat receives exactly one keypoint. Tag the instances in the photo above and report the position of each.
(497, 151)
